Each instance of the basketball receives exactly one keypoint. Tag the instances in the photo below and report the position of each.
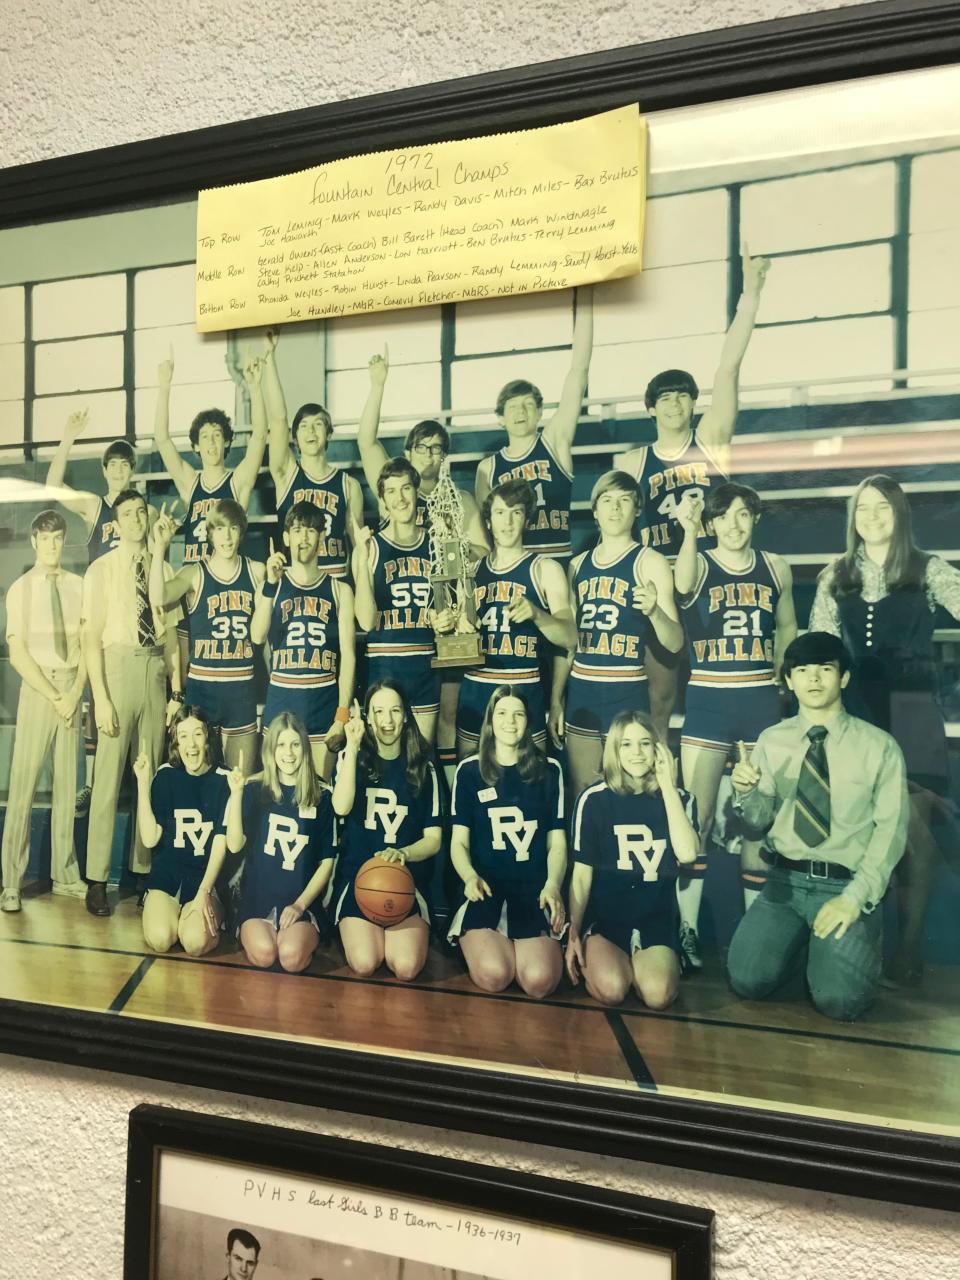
(384, 892)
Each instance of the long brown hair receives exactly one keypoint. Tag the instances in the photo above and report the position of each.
(413, 748)
(531, 762)
(188, 712)
(906, 564)
(307, 788)
(612, 769)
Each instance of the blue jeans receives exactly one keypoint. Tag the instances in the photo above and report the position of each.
(842, 975)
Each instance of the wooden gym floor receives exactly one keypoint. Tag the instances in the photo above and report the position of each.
(897, 1066)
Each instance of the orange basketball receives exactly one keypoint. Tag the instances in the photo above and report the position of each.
(384, 892)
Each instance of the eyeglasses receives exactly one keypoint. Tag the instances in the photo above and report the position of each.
(431, 450)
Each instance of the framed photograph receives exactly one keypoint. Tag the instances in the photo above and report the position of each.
(205, 1194)
(792, 342)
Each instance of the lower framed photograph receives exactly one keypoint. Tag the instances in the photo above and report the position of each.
(207, 1196)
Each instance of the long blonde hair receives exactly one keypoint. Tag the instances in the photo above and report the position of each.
(612, 769)
(307, 786)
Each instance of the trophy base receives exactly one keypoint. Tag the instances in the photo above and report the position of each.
(462, 650)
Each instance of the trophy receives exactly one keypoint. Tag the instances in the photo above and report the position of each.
(451, 576)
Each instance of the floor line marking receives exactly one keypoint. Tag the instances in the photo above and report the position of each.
(631, 1053)
(130, 986)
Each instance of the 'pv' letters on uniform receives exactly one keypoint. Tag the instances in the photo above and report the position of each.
(508, 823)
(382, 807)
(284, 834)
(191, 826)
(635, 843)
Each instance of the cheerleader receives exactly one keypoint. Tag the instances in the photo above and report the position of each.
(629, 833)
(880, 597)
(387, 798)
(190, 814)
(288, 821)
(509, 847)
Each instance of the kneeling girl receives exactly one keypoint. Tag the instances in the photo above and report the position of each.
(630, 831)
(509, 847)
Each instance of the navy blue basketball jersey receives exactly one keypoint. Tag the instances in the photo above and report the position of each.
(388, 814)
(285, 846)
(304, 634)
(330, 495)
(220, 645)
(511, 650)
(730, 619)
(663, 482)
(202, 501)
(611, 629)
(403, 596)
(103, 536)
(626, 840)
(548, 530)
(508, 822)
(190, 809)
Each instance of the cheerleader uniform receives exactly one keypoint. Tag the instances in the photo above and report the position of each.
(286, 843)
(190, 809)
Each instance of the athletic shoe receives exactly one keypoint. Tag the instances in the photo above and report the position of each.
(83, 801)
(690, 958)
(77, 890)
(10, 900)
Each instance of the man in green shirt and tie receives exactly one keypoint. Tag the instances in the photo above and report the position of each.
(830, 791)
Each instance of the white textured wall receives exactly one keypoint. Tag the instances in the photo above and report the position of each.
(79, 74)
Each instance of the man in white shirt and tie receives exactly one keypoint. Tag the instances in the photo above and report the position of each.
(129, 649)
(43, 632)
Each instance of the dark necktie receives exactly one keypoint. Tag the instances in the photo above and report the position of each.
(146, 635)
(56, 612)
(811, 815)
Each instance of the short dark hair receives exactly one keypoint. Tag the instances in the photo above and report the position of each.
(519, 387)
(48, 521)
(212, 417)
(670, 380)
(722, 498)
(127, 495)
(119, 449)
(311, 410)
(511, 492)
(186, 711)
(239, 1236)
(397, 467)
(424, 430)
(307, 514)
(225, 512)
(815, 648)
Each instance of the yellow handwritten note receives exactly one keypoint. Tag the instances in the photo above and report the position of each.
(511, 213)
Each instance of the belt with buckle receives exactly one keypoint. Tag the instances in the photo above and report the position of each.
(817, 870)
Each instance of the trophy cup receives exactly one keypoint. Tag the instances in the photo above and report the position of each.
(450, 575)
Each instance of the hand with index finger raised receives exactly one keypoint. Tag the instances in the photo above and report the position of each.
(745, 774)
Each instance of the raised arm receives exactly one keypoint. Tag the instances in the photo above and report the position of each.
(281, 459)
(266, 594)
(687, 566)
(149, 827)
(345, 782)
(684, 837)
(372, 453)
(245, 475)
(716, 426)
(85, 508)
(354, 496)
(473, 529)
(365, 604)
(562, 427)
(165, 591)
(181, 472)
(655, 599)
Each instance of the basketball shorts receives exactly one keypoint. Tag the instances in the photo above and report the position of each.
(415, 676)
(472, 706)
(716, 718)
(511, 910)
(316, 705)
(231, 704)
(345, 905)
(591, 705)
(655, 931)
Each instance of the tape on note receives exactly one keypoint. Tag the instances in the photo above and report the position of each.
(511, 213)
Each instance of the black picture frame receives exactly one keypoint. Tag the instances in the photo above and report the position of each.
(919, 1168)
(682, 1231)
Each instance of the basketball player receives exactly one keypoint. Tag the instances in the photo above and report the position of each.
(685, 461)
(391, 570)
(542, 455)
(618, 589)
(210, 437)
(388, 799)
(509, 847)
(519, 597)
(190, 814)
(118, 464)
(288, 824)
(307, 615)
(630, 831)
(739, 615)
(220, 591)
(313, 479)
(426, 447)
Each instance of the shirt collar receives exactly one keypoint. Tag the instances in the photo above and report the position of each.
(835, 728)
(129, 553)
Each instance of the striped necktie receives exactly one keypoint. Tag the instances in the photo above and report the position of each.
(146, 634)
(811, 814)
(56, 613)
